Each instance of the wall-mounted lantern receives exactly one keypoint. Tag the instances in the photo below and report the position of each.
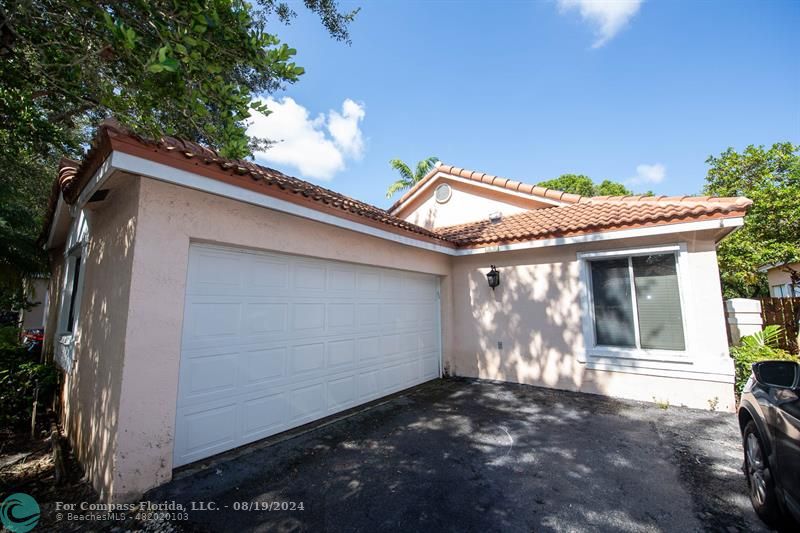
(493, 277)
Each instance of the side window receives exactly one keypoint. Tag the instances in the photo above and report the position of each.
(73, 297)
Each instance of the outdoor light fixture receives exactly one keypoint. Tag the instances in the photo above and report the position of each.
(493, 277)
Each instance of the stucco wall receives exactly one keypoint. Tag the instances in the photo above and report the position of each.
(91, 392)
(536, 313)
(468, 203)
(170, 218)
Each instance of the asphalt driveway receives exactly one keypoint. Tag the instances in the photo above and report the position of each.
(464, 455)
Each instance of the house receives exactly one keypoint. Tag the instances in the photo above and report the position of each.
(779, 279)
(200, 304)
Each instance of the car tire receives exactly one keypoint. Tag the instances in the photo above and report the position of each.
(759, 476)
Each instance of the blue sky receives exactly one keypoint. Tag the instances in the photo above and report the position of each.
(638, 93)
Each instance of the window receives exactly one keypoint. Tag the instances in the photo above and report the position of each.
(636, 302)
(73, 311)
(784, 291)
(443, 193)
(71, 298)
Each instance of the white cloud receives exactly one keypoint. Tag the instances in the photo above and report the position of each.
(317, 147)
(645, 173)
(607, 16)
(345, 129)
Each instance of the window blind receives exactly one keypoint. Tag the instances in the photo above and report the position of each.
(658, 302)
(613, 305)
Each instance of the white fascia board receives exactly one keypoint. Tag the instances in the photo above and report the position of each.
(665, 229)
(94, 184)
(479, 184)
(54, 222)
(166, 173)
(159, 171)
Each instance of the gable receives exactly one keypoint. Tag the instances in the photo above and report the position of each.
(467, 202)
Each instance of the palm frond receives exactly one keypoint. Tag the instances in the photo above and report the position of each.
(403, 169)
(769, 337)
(425, 166)
(397, 186)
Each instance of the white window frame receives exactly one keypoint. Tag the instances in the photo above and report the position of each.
(76, 246)
(595, 352)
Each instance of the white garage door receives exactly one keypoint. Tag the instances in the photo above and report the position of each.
(272, 341)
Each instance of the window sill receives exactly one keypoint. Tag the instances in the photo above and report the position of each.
(610, 353)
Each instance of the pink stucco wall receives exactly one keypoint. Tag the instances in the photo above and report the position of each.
(170, 218)
(92, 389)
(536, 314)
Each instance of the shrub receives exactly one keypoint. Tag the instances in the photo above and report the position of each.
(20, 374)
(760, 346)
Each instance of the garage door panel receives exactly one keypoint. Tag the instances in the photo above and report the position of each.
(342, 393)
(287, 340)
(341, 316)
(342, 280)
(307, 358)
(368, 314)
(309, 277)
(216, 272)
(210, 429)
(308, 318)
(269, 318)
(369, 282)
(263, 415)
(430, 367)
(264, 365)
(341, 353)
(267, 275)
(208, 374)
(307, 403)
(214, 319)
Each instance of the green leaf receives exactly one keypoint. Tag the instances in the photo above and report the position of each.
(156, 67)
(170, 64)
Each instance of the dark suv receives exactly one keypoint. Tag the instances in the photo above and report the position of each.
(769, 417)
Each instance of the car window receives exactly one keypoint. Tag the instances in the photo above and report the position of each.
(778, 373)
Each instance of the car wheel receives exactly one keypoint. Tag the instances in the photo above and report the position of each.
(759, 477)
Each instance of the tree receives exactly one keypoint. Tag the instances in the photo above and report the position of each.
(583, 185)
(771, 234)
(192, 69)
(408, 178)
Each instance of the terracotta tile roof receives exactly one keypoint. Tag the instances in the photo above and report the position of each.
(497, 181)
(579, 215)
(73, 177)
(593, 215)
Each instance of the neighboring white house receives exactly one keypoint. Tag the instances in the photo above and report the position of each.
(779, 278)
(201, 303)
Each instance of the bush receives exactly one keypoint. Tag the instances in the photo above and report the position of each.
(760, 346)
(20, 373)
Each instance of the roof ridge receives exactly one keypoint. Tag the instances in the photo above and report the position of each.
(683, 199)
(489, 179)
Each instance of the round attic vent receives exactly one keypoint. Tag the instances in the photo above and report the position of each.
(443, 193)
